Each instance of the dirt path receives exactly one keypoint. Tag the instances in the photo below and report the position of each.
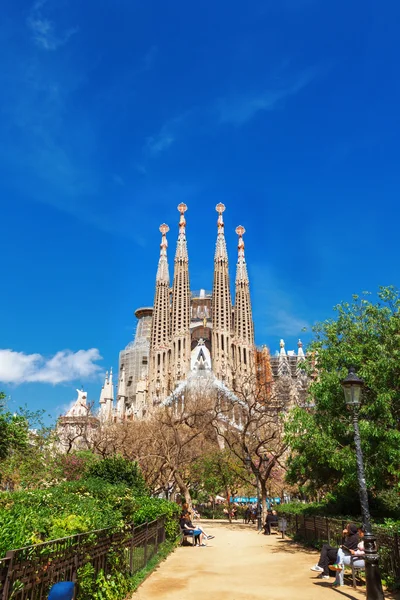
(239, 564)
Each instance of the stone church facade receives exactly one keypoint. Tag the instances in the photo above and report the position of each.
(187, 331)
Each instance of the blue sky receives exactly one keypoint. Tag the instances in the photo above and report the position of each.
(111, 113)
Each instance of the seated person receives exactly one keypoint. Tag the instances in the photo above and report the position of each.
(344, 558)
(188, 528)
(272, 519)
(329, 553)
(186, 511)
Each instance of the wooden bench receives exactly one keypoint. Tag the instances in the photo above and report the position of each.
(355, 569)
(185, 536)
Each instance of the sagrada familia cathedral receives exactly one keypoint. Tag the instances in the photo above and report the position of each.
(189, 334)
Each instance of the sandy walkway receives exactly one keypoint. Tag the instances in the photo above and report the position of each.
(239, 564)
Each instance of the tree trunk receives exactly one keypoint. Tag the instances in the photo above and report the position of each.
(263, 485)
(183, 489)
(228, 495)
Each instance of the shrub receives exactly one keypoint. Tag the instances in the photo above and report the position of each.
(117, 469)
(76, 465)
(30, 517)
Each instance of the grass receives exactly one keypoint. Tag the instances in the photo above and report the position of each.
(164, 550)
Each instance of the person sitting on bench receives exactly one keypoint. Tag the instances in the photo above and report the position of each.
(186, 511)
(344, 557)
(329, 554)
(188, 528)
(272, 519)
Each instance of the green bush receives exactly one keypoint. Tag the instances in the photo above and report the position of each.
(117, 469)
(118, 583)
(384, 506)
(30, 517)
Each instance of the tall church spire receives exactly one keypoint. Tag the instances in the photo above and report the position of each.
(221, 306)
(243, 326)
(122, 395)
(180, 313)
(160, 327)
(107, 398)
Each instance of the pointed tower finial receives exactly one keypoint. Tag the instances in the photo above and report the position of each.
(162, 272)
(220, 208)
(182, 208)
(300, 352)
(181, 248)
(220, 249)
(241, 271)
(283, 366)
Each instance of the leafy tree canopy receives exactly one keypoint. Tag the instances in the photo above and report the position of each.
(14, 430)
(364, 334)
(117, 469)
(217, 472)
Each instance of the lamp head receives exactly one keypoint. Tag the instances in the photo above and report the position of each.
(352, 387)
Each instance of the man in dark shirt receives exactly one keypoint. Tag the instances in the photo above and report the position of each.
(270, 520)
(329, 553)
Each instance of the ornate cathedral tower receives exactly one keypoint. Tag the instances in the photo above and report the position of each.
(180, 312)
(221, 307)
(244, 362)
(160, 328)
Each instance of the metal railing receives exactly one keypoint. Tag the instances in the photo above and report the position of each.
(323, 530)
(28, 573)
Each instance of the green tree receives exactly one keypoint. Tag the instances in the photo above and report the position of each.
(26, 450)
(116, 469)
(13, 430)
(364, 334)
(218, 472)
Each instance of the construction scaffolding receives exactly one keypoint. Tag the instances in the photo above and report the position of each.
(135, 357)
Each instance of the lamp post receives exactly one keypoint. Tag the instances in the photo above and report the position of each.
(352, 387)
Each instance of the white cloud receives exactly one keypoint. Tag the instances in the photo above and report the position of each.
(240, 109)
(64, 366)
(286, 323)
(277, 306)
(44, 30)
(167, 135)
(160, 142)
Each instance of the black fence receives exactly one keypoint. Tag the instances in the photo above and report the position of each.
(322, 530)
(28, 573)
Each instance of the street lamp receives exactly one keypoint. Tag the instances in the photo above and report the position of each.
(352, 387)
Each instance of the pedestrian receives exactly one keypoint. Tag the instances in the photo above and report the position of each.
(329, 553)
(344, 557)
(247, 514)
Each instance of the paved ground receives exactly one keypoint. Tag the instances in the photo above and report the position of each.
(239, 564)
